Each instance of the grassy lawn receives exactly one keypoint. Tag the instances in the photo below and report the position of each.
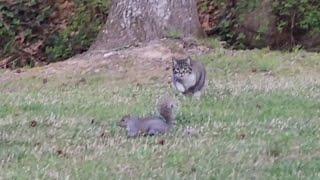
(260, 119)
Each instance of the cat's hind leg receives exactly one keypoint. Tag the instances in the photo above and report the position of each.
(197, 95)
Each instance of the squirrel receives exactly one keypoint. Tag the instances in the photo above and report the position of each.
(152, 125)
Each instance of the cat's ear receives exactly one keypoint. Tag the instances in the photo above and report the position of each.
(174, 61)
(189, 60)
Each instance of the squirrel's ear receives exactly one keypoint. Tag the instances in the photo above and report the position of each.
(125, 117)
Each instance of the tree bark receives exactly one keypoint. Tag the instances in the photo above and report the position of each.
(132, 21)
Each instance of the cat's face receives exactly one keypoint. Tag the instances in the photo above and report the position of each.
(181, 67)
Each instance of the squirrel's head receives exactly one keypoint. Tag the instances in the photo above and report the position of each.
(124, 121)
(167, 106)
(170, 105)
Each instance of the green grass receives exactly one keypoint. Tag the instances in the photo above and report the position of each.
(246, 129)
(224, 62)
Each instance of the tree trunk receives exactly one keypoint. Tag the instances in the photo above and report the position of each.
(132, 21)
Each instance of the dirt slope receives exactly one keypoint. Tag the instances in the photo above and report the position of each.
(133, 62)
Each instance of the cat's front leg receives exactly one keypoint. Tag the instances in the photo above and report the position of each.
(179, 87)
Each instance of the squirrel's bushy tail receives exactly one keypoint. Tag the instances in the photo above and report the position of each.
(167, 108)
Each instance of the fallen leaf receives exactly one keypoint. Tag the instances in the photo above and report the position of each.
(161, 142)
(18, 71)
(44, 81)
(33, 123)
(241, 136)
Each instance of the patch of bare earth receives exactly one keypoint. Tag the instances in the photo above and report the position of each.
(131, 64)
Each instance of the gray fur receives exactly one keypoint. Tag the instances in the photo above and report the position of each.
(152, 125)
(145, 126)
(190, 74)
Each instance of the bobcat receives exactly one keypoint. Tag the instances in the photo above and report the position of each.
(189, 76)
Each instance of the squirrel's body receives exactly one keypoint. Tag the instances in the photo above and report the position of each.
(152, 125)
(145, 126)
